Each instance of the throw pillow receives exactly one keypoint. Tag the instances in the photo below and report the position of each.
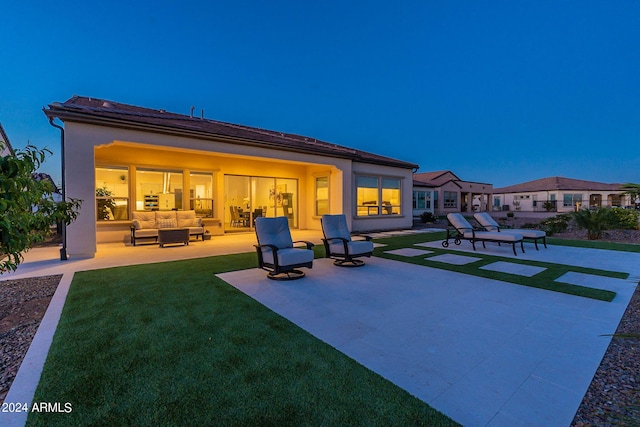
(167, 223)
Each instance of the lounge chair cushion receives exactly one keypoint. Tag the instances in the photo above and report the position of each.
(288, 256)
(274, 231)
(335, 226)
(494, 235)
(490, 224)
(355, 247)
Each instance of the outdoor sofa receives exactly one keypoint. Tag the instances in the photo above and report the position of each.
(145, 224)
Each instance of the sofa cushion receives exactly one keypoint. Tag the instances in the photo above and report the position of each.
(149, 232)
(143, 220)
(188, 219)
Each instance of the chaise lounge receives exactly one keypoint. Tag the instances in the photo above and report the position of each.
(490, 224)
(460, 229)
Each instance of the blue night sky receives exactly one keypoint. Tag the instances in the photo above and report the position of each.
(497, 91)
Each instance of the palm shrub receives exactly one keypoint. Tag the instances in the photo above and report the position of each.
(594, 221)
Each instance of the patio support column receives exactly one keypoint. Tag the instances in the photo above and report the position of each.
(80, 182)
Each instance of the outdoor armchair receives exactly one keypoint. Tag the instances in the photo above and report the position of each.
(276, 252)
(490, 224)
(339, 245)
(460, 229)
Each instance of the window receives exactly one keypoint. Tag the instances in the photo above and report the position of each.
(450, 199)
(367, 196)
(201, 194)
(158, 190)
(112, 194)
(377, 196)
(322, 195)
(422, 200)
(496, 202)
(390, 196)
(571, 200)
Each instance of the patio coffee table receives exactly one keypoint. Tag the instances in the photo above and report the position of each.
(173, 235)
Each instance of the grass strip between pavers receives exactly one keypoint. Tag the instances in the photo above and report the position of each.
(171, 344)
(543, 280)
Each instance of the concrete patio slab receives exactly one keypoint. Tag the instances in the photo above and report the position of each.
(454, 259)
(482, 351)
(408, 252)
(512, 268)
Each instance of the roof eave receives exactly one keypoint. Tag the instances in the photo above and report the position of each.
(82, 117)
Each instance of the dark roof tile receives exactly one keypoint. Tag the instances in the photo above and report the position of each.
(110, 113)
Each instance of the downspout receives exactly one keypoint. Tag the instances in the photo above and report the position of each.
(63, 250)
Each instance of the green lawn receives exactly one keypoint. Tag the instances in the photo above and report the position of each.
(543, 280)
(171, 344)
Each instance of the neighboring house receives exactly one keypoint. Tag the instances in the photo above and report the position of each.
(424, 198)
(451, 194)
(558, 194)
(4, 143)
(7, 150)
(125, 158)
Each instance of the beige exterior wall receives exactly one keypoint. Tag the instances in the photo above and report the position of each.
(90, 146)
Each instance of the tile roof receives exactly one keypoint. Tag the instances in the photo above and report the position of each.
(558, 183)
(436, 178)
(114, 114)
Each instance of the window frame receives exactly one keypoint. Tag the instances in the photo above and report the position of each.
(379, 208)
(193, 200)
(450, 202)
(317, 199)
(103, 202)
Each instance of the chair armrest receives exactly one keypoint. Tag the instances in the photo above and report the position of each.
(272, 247)
(363, 236)
(340, 239)
(309, 244)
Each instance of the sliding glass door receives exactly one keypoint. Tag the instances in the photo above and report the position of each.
(248, 197)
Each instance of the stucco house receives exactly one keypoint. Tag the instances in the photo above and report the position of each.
(559, 194)
(451, 194)
(122, 158)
